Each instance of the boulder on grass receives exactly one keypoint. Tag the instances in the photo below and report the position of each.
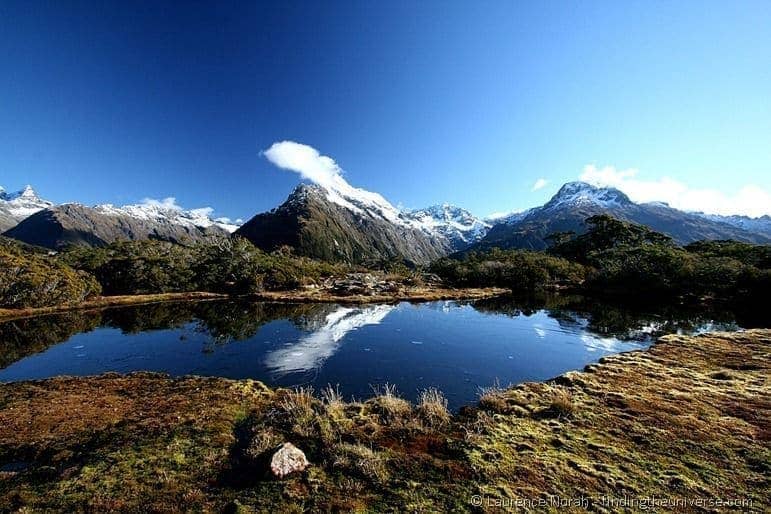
(287, 460)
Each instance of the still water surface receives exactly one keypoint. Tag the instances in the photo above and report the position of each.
(455, 346)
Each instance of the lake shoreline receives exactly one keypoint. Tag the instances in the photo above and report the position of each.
(296, 296)
(687, 417)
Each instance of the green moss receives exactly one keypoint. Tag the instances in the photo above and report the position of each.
(144, 442)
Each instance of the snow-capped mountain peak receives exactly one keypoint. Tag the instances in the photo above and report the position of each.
(23, 203)
(582, 193)
(458, 225)
(760, 224)
(27, 193)
(168, 211)
(338, 191)
(442, 221)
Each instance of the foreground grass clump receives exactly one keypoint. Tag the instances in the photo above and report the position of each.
(432, 408)
(562, 403)
(390, 407)
(689, 418)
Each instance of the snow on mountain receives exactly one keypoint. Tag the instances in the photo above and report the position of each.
(570, 195)
(167, 210)
(581, 193)
(22, 203)
(437, 222)
(567, 211)
(17, 206)
(458, 225)
(361, 201)
(761, 224)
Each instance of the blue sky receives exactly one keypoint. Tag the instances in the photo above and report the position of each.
(470, 103)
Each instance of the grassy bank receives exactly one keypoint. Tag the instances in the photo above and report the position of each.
(409, 294)
(412, 294)
(108, 301)
(687, 419)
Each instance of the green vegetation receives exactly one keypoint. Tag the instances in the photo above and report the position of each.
(227, 266)
(29, 278)
(688, 418)
(613, 259)
(518, 270)
(622, 260)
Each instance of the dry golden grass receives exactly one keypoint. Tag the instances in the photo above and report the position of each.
(493, 398)
(414, 294)
(562, 403)
(333, 401)
(432, 408)
(361, 461)
(690, 417)
(110, 301)
(391, 407)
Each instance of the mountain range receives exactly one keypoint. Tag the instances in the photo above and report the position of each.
(576, 201)
(27, 217)
(339, 222)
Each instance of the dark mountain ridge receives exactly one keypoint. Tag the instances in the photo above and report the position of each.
(74, 224)
(314, 226)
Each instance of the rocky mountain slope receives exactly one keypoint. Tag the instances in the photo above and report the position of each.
(58, 226)
(457, 225)
(576, 201)
(14, 207)
(339, 222)
(761, 225)
(342, 224)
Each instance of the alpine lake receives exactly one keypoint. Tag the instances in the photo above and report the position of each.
(459, 347)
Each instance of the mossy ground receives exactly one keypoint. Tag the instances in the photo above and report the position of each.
(689, 418)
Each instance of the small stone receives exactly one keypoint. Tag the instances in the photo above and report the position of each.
(287, 460)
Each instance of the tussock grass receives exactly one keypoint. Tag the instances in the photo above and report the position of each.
(362, 461)
(297, 405)
(561, 405)
(391, 407)
(333, 401)
(432, 407)
(261, 442)
(493, 398)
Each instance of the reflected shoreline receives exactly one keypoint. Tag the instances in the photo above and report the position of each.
(224, 321)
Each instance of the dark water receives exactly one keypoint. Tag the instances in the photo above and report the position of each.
(455, 346)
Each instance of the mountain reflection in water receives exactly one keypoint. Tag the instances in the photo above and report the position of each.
(312, 350)
(455, 346)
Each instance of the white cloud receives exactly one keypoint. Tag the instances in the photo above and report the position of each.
(502, 214)
(539, 184)
(749, 200)
(204, 212)
(169, 203)
(308, 162)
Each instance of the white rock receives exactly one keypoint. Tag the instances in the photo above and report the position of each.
(287, 460)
